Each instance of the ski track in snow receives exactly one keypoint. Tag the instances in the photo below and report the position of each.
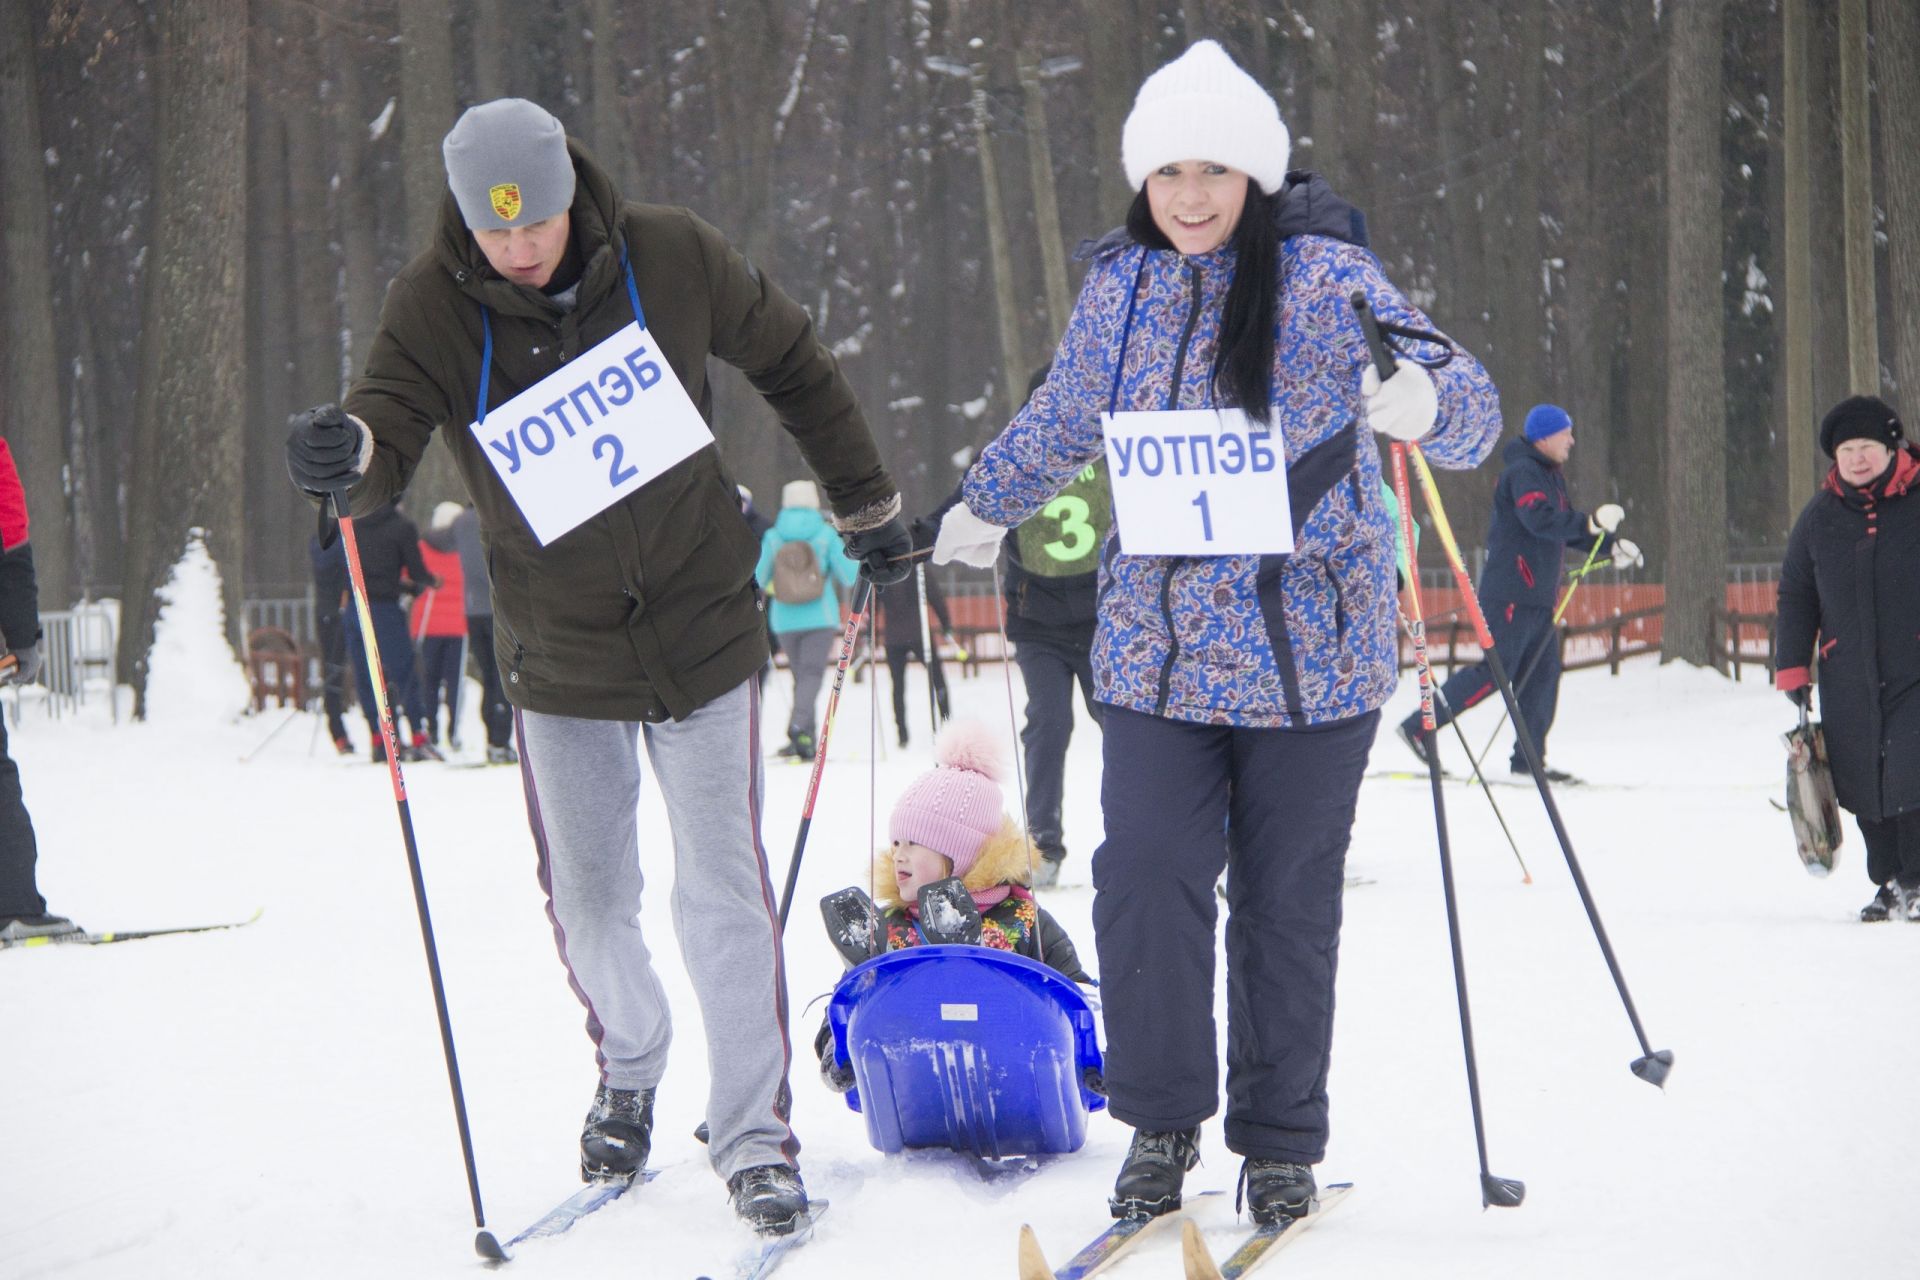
(194, 1106)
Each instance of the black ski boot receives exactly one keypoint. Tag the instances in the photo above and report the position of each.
(1884, 904)
(1518, 769)
(770, 1198)
(1156, 1168)
(618, 1134)
(1276, 1189)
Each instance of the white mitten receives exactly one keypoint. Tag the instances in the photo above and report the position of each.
(1405, 406)
(1626, 555)
(967, 538)
(1606, 518)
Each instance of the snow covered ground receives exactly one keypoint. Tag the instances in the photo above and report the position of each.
(272, 1101)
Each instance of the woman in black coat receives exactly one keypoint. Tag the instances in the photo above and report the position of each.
(1851, 581)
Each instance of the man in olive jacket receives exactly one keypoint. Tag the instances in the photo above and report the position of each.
(643, 617)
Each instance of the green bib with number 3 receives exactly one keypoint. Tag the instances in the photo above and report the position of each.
(1062, 540)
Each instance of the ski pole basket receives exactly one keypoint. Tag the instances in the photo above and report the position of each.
(967, 1048)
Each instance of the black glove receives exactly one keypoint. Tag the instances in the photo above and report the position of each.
(884, 553)
(322, 446)
(834, 1076)
(29, 659)
(1801, 697)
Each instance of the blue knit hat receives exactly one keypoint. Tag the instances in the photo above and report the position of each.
(1545, 420)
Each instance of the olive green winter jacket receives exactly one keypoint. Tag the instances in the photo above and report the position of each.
(648, 609)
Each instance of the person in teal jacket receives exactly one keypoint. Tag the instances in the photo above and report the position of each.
(803, 607)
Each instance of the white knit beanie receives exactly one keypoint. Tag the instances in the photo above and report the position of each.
(800, 493)
(508, 166)
(1202, 106)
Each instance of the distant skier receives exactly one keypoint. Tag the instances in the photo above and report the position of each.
(902, 628)
(1242, 688)
(438, 622)
(1850, 586)
(801, 564)
(621, 612)
(391, 565)
(23, 912)
(1533, 524)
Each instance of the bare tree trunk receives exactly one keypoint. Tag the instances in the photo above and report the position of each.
(1696, 379)
(272, 301)
(1112, 42)
(1863, 337)
(427, 113)
(1796, 249)
(1007, 305)
(187, 449)
(353, 216)
(1896, 53)
(613, 143)
(29, 367)
(1046, 205)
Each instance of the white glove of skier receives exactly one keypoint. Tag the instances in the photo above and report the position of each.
(967, 538)
(1606, 518)
(1626, 555)
(1405, 406)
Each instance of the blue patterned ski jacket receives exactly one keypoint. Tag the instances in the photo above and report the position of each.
(1251, 641)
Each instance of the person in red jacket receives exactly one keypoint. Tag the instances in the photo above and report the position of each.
(23, 912)
(439, 625)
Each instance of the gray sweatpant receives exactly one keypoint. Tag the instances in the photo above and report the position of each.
(582, 780)
(808, 653)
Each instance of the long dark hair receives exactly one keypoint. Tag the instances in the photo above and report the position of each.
(1243, 360)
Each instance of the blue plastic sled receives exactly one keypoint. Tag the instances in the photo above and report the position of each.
(968, 1048)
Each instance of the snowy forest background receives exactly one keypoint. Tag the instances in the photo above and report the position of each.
(1690, 222)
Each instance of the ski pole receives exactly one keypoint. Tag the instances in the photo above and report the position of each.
(271, 735)
(1526, 876)
(862, 597)
(370, 643)
(1574, 580)
(1495, 1191)
(1652, 1066)
(926, 648)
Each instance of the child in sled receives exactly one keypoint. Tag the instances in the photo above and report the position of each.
(950, 824)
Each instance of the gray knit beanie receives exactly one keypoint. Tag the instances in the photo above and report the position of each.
(508, 166)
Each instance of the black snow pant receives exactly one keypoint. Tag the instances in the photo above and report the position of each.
(1284, 799)
(333, 670)
(19, 894)
(1893, 848)
(1049, 669)
(897, 657)
(440, 677)
(495, 712)
(396, 664)
(1529, 646)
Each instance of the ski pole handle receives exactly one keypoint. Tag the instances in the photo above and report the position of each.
(1383, 361)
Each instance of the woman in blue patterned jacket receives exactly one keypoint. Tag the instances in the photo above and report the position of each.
(1242, 690)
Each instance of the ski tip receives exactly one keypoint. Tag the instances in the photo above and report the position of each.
(488, 1247)
(1033, 1262)
(1195, 1255)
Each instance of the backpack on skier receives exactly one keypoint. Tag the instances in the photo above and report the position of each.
(797, 575)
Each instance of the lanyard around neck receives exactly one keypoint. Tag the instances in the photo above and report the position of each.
(486, 336)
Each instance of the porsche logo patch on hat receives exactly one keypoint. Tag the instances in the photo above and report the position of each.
(505, 199)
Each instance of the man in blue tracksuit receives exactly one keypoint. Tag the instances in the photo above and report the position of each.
(1533, 524)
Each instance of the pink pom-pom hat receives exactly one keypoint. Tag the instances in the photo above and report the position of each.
(955, 807)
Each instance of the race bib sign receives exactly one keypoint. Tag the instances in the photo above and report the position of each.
(1197, 482)
(1063, 539)
(586, 436)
